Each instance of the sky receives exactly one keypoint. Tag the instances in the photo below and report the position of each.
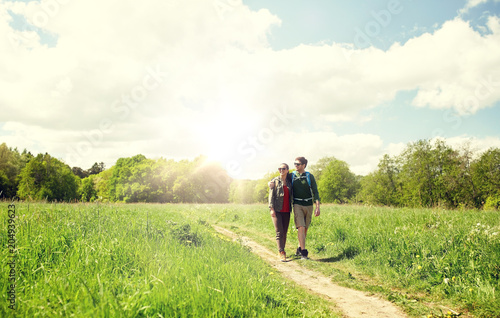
(251, 83)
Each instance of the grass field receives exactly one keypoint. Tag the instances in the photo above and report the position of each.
(418, 258)
(147, 260)
(137, 261)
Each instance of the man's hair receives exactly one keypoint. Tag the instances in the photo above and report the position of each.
(302, 160)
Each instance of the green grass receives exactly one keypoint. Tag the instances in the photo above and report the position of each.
(139, 261)
(148, 260)
(418, 258)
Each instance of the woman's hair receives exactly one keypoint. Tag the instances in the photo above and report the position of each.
(288, 175)
(287, 167)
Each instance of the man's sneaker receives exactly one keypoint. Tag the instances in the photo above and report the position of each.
(304, 253)
(298, 253)
(283, 256)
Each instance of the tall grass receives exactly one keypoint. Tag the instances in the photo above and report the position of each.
(138, 261)
(432, 254)
(165, 261)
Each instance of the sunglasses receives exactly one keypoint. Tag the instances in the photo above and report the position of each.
(298, 163)
(282, 169)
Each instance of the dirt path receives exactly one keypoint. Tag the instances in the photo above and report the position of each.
(351, 302)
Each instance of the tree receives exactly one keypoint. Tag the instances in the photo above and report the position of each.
(211, 181)
(45, 177)
(101, 182)
(424, 174)
(88, 191)
(417, 174)
(453, 179)
(318, 168)
(261, 188)
(4, 185)
(79, 172)
(242, 191)
(96, 168)
(337, 183)
(8, 171)
(382, 186)
(138, 179)
(486, 176)
(119, 183)
(10, 166)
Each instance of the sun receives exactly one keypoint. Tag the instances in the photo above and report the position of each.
(222, 132)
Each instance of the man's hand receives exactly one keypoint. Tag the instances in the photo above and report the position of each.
(317, 212)
(271, 185)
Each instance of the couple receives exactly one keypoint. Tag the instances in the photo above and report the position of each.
(300, 189)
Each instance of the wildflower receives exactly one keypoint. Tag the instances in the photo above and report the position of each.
(420, 267)
(418, 256)
(453, 278)
(470, 289)
(446, 280)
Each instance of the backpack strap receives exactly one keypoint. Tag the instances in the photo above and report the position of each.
(308, 175)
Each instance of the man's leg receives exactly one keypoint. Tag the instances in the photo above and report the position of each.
(302, 237)
(303, 233)
(299, 218)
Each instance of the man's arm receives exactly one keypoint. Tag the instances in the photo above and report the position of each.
(314, 187)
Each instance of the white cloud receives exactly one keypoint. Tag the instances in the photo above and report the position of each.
(476, 145)
(471, 4)
(182, 78)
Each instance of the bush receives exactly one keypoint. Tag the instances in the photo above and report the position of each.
(492, 202)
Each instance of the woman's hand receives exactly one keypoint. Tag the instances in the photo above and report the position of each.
(273, 214)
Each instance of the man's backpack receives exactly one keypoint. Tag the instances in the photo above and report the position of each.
(296, 175)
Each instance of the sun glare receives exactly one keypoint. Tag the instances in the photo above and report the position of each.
(223, 132)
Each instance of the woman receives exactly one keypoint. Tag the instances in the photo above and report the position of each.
(280, 198)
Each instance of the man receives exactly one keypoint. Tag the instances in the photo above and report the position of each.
(305, 192)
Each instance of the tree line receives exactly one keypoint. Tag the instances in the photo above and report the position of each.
(425, 174)
(429, 174)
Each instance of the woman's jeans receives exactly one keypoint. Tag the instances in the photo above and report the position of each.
(281, 222)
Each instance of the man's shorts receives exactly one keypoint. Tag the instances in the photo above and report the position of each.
(302, 215)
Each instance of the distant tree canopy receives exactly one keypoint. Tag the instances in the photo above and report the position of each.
(336, 183)
(429, 174)
(425, 174)
(46, 178)
(11, 164)
(138, 179)
(95, 169)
